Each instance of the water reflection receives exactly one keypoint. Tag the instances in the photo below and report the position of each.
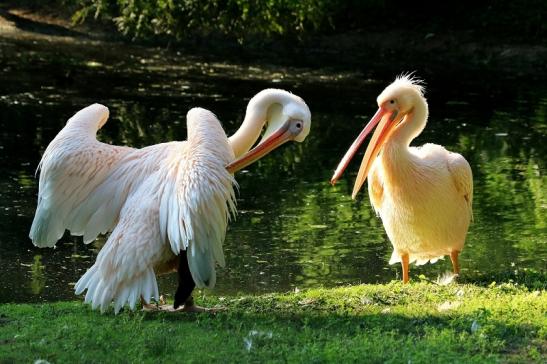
(293, 228)
(37, 271)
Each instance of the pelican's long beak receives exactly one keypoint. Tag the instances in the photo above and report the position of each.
(385, 120)
(269, 142)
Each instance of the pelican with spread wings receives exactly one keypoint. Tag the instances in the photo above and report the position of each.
(167, 206)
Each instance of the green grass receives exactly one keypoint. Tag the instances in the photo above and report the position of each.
(416, 323)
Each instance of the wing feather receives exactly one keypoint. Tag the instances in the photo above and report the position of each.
(73, 164)
(174, 196)
(99, 212)
(463, 178)
(124, 269)
(202, 199)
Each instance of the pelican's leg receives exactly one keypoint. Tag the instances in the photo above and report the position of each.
(454, 258)
(186, 283)
(183, 296)
(148, 306)
(153, 306)
(184, 302)
(404, 264)
(190, 306)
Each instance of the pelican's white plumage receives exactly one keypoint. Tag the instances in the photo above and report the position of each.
(73, 165)
(424, 194)
(156, 201)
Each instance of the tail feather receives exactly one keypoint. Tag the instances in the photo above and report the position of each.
(83, 282)
(121, 299)
(101, 292)
(202, 267)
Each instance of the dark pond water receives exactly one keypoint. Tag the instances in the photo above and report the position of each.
(293, 228)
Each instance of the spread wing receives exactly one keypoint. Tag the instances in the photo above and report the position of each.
(194, 213)
(196, 206)
(463, 179)
(72, 166)
(100, 211)
(183, 202)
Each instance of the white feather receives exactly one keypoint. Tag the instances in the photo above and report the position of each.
(70, 171)
(156, 208)
(156, 201)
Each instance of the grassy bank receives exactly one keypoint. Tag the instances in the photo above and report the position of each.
(418, 323)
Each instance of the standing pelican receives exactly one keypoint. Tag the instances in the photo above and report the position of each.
(167, 205)
(422, 194)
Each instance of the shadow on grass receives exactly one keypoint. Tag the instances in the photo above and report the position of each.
(345, 324)
(475, 331)
(469, 334)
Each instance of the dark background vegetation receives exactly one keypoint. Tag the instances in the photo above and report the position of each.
(255, 20)
(247, 19)
(430, 37)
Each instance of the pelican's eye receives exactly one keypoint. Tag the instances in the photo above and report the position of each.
(296, 126)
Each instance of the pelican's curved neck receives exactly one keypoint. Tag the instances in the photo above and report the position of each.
(412, 125)
(255, 118)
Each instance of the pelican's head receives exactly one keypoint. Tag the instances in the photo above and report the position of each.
(285, 117)
(284, 111)
(394, 103)
(401, 96)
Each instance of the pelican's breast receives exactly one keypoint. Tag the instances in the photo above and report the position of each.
(421, 208)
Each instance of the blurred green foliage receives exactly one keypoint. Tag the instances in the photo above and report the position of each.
(237, 18)
(259, 19)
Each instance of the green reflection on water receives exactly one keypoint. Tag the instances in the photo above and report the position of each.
(38, 276)
(293, 228)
